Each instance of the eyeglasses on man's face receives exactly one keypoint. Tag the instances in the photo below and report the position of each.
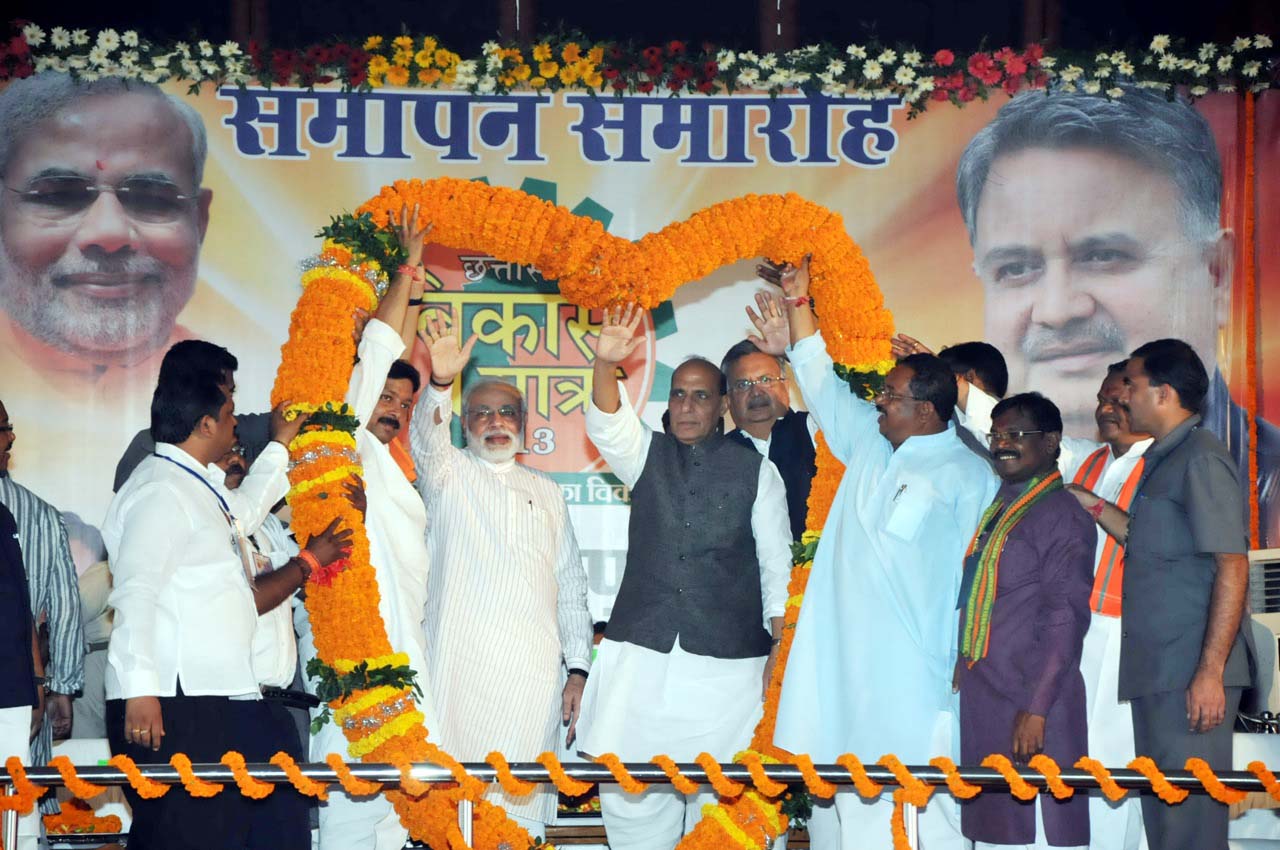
(1011, 436)
(146, 199)
(765, 381)
(886, 394)
(509, 412)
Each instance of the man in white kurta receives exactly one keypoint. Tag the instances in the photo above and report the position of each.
(396, 523)
(506, 620)
(1110, 471)
(874, 650)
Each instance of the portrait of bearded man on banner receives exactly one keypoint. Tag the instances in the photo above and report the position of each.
(1096, 226)
(101, 223)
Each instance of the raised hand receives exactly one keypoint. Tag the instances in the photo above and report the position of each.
(617, 338)
(448, 356)
(360, 317)
(771, 323)
(794, 280)
(904, 346)
(353, 488)
(284, 430)
(331, 544)
(412, 238)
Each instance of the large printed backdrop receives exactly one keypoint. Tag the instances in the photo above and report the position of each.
(281, 161)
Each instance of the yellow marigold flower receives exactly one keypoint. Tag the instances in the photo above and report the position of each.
(548, 69)
(429, 76)
(595, 55)
(378, 65)
(450, 76)
(403, 42)
(569, 75)
(507, 80)
(375, 80)
(572, 52)
(423, 58)
(398, 75)
(521, 71)
(537, 83)
(373, 42)
(430, 44)
(542, 52)
(401, 57)
(582, 67)
(444, 58)
(592, 79)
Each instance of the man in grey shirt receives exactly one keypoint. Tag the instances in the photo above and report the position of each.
(1183, 661)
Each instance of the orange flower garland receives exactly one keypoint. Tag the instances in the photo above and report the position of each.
(76, 818)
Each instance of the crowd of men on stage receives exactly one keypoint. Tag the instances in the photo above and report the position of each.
(983, 583)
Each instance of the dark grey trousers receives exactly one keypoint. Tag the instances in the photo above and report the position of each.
(1160, 730)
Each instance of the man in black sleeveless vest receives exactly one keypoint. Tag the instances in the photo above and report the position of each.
(760, 405)
(686, 656)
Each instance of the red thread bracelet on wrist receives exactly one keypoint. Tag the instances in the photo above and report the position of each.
(799, 301)
(412, 271)
(309, 563)
(1096, 510)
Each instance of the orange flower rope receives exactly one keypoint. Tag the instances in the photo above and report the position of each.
(508, 780)
(914, 791)
(863, 783)
(766, 786)
(723, 785)
(408, 784)
(959, 789)
(817, 786)
(352, 784)
(625, 780)
(195, 786)
(1018, 786)
(1159, 784)
(254, 789)
(81, 788)
(1052, 776)
(474, 787)
(1267, 778)
(303, 785)
(147, 789)
(564, 783)
(1110, 788)
(25, 792)
(679, 781)
(898, 821)
(1216, 788)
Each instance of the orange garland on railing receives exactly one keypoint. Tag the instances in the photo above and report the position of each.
(1267, 778)
(1052, 776)
(1018, 787)
(303, 785)
(144, 787)
(1159, 784)
(625, 780)
(77, 786)
(959, 788)
(510, 783)
(1110, 788)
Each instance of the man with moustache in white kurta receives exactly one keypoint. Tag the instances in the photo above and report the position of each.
(507, 614)
(381, 397)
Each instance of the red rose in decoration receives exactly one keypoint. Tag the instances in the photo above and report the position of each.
(710, 69)
(654, 70)
(941, 84)
(682, 71)
(940, 95)
(653, 54)
(968, 93)
(357, 76)
(675, 48)
(619, 85)
(1015, 66)
(675, 85)
(706, 86)
(610, 73)
(944, 58)
(1003, 55)
(645, 87)
(984, 68)
(1033, 54)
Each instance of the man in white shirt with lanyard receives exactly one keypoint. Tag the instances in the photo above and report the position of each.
(1101, 474)
(180, 675)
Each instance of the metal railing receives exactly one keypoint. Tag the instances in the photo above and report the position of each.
(389, 775)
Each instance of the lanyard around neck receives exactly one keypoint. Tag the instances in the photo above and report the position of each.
(226, 509)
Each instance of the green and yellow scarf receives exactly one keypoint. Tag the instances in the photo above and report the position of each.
(982, 594)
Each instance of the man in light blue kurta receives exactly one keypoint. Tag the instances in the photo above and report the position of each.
(870, 668)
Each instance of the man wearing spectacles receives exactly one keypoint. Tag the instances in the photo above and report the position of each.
(760, 404)
(506, 617)
(888, 564)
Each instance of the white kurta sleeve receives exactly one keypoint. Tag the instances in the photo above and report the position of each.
(1074, 452)
(266, 484)
(845, 420)
(379, 347)
(142, 563)
(430, 445)
(621, 438)
(976, 416)
(771, 526)
(572, 616)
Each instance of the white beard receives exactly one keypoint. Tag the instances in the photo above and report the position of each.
(495, 454)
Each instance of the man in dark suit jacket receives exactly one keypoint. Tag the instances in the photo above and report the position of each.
(21, 673)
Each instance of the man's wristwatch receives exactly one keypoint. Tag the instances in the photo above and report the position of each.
(579, 671)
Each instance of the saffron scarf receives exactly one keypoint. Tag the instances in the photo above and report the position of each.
(976, 636)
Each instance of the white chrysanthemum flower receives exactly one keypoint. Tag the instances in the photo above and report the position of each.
(79, 37)
(777, 78)
(60, 38)
(1102, 71)
(769, 62)
(235, 68)
(1115, 92)
(1160, 43)
(834, 89)
(490, 47)
(1251, 69)
(33, 34)
(1071, 73)
(1168, 63)
(1224, 63)
(911, 57)
(749, 56)
(161, 60)
(88, 76)
(206, 48)
(748, 77)
(209, 68)
(872, 70)
(1262, 41)
(809, 50)
(1200, 69)
(131, 72)
(492, 62)
(486, 84)
(1069, 88)
(129, 58)
(1242, 43)
(725, 59)
(836, 66)
(183, 49)
(229, 49)
(151, 76)
(800, 77)
(44, 63)
(97, 55)
(1207, 51)
(108, 40)
(130, 38)
(190, 68)
(904, 75)
(1227, 87)
(1187, 64)
(1102, 57)
(1199, 91)
(77, 63)
(1047, 62)
(1126, 68)
(887, 57)
(1118, 57)
(857, 51)
(924, 83)
(826, 78)
(1092, 87)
